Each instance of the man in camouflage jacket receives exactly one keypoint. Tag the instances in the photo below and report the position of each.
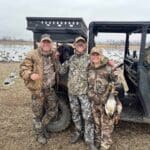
(77, 90)
(38, 72)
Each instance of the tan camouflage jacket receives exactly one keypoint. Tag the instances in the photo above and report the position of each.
(33, 63)
(77, 73)
(98, 82)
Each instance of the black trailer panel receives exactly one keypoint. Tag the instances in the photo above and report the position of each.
(63, 30)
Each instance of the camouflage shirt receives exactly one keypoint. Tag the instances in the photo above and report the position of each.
(77, 75)
(48, 72)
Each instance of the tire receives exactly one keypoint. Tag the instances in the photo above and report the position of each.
(64, 116)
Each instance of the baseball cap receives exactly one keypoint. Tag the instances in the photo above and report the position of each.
(96, 50)
(45, 37)
(80, 38)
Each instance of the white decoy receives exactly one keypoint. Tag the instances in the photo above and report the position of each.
(12, 74)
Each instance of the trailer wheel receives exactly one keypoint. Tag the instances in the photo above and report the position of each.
(63, 119)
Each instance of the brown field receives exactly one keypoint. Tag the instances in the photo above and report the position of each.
(16, 123)
(117, 46)
(15, 42)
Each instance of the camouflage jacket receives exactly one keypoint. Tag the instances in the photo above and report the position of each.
(33, 63)
(77, 73)
(98, 82)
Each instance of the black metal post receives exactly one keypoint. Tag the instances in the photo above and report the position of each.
(91, 42)
(127, 45)
(143, 42)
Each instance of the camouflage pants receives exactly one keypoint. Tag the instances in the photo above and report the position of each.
(82, 114)
(103, 126)
(44, 107)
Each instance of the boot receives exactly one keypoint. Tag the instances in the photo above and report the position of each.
(103, 148)
(92, 147)
(97, 144)
(42, 139)
(75, 137)
(46, 133)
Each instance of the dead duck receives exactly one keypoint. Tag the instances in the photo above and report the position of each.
(111, 106)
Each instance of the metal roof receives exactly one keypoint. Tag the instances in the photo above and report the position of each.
(119, 27)
(60, 28)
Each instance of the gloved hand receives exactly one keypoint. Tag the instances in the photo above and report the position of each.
(116, 119)
(96, 100)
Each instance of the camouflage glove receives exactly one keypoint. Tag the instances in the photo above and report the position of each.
(117, 119)
(97, 99)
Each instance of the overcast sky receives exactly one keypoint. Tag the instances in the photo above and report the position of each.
(13, 13)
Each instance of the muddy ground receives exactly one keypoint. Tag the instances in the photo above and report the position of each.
(16, 123)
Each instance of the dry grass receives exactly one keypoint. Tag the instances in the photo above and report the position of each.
(16, 123)
(15, 42)
(118, 47)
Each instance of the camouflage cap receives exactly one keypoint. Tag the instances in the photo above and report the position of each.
(45, 37)
(96, 50)
(80, 38)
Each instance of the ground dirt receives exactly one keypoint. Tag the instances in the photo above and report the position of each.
(16, 123)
